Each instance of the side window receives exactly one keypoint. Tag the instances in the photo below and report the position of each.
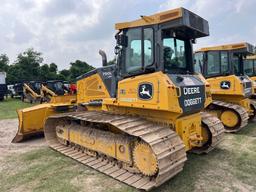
(174, 53)
(235, 62)
(254, 67)
(133, 56)
(148, 46)
(248, 67)
(213, 63)
(224, 62)
(134, 53)
(198, 61)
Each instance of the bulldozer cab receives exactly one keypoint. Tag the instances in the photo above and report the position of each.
(56, 86)
(250, 66)
(161, 42)
(223, 60)
(35, 86)
(156, 43)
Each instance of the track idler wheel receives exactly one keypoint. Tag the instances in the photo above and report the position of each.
(145, 159)
(230, 119)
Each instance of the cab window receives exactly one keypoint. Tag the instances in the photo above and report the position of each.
(213, 63)
(139, 52)
(148, 46)
(224, 62)
(198, 61)
(133, 56)
(248, 67)
(174, 54)
(254, 67)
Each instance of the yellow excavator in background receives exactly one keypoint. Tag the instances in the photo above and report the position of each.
(31, 91)
(222, 66)
(137, 119)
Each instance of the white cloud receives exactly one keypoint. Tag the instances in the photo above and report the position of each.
(65, 30)
(230, 21)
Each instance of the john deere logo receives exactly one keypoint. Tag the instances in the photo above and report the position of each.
(225, 84)
(145, 91)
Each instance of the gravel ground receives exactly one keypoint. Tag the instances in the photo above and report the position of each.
(8, 129)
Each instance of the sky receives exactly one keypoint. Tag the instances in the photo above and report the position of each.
(67, 30)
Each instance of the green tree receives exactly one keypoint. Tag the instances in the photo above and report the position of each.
(12, 74)
(78, 68)
(65, 72)
(4, 62)
(53, 68)
(44, 72)
(26, 67)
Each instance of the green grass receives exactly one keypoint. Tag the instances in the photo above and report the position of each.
(230, 167)
(9, 106)
(46, 170)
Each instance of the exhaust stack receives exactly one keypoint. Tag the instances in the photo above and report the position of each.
(104, 57)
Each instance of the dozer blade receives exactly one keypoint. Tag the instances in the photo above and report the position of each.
(32, 119)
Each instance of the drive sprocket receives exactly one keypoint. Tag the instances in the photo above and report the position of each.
(145, 159)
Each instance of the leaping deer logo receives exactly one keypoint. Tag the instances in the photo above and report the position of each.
(225, 85)
(145, 92)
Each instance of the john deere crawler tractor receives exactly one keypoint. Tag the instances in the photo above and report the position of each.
(250, 70)
(222, 66)
(31, 91)
(52, 88)
(137, 119)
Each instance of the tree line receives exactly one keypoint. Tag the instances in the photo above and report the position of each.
(30, 66)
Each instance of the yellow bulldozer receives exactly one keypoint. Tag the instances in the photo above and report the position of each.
(31, 91)
(137, 119)
(222, 66)
(250, 70)
(53, 88)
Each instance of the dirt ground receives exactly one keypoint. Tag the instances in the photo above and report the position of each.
(32, 166)
(8, 129)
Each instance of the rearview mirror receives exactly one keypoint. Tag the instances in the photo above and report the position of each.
(122, 40)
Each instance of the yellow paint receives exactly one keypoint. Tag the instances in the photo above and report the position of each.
(27, 89)
(96, 140)
(229, 118)
(251, 57)
(151, 20)
(145, 159)
(189, 128)
(32, 119)
(236, 89)
(45, 91)
(91, 88)
(225, 47)
(163, 107)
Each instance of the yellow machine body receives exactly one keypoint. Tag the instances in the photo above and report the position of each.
(30, 94)
(231, 90)
(136, 120)
(45, 92)
(252, 72)
(164, 107)
(235, 94)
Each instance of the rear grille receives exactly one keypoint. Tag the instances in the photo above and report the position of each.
(196, 22)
